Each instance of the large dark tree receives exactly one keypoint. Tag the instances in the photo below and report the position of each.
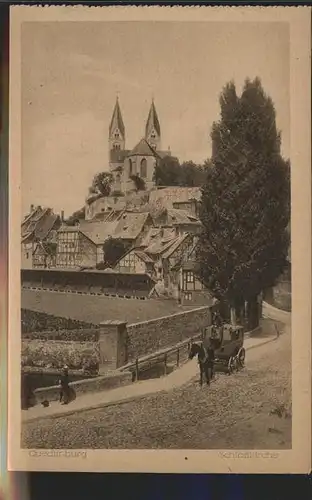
(191, 174)
(245, 205)
(169, 172)
(113, 249)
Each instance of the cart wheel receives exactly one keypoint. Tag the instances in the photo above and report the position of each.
(236, 364)
(231, 365)
(241, 357)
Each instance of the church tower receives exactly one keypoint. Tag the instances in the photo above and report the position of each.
(152, 129)
(117, 136)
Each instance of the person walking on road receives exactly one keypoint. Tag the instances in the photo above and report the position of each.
(65, 389)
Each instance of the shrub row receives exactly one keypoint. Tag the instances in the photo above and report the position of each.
(33, 321)
(80, 335)
(52, 354)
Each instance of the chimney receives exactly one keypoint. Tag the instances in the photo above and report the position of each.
(31, 208)
(62, 215)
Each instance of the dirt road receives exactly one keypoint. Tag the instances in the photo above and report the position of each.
(234, 413)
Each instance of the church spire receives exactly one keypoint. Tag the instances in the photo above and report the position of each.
(117, 121)
(117, 134)
(152, 128)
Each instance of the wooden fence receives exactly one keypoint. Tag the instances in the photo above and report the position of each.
(148, 361)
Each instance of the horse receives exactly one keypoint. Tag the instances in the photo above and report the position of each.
(205, 357)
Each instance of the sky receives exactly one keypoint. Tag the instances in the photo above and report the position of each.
(72, 72)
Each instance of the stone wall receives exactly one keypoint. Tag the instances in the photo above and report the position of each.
(199, 298)
(96, 384)
(279, 296)
(282, 296)
(150, 336)
(112, 344)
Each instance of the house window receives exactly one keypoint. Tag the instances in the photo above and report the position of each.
(27, 255)
(189, 276)
(188, 296)
(143, 168)
(130, 167)
(128, 263)
(188, 281)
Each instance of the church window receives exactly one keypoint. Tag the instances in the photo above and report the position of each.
(116, 134)
(143, 168)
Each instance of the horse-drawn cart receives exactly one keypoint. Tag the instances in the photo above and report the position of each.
(227, 342)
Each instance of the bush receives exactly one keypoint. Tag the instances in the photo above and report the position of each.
(139, 182)
(52, 354)
(79, 335)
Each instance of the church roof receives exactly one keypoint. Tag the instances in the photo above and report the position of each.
(152, 120)
(117, 121)
(143, 149)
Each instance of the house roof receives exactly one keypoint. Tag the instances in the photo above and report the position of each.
(175, 245)
(140, 253)
(98, 231)
(143, 149)
(165, 197)
(154, 233)
(32, 216)
(160, 246)
(143, 256)
(152, 121)
(39, 224)
(130, 225)
(45, 225)
(177, 216)
(117, 121)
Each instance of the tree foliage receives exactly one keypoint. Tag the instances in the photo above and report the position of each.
(101, 184)
(245, 207)
(169, 172)
(138, 182)
(113, 249)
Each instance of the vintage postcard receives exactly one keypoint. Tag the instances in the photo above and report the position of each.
(160, 239)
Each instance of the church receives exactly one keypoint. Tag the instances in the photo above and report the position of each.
(126, 164)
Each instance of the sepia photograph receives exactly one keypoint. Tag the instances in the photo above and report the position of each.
(157, 225)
